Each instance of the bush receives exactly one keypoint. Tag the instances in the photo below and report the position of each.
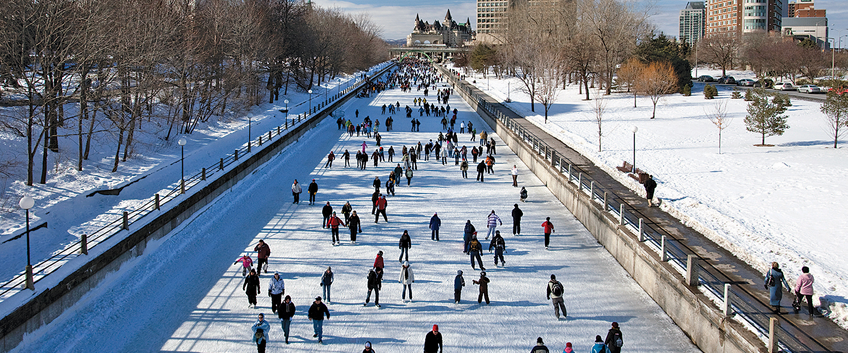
(710, 91)
(749, 95)
(687, 90)
(736, 94)
(782, 100)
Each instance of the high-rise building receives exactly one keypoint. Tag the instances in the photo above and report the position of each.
(804, 8)
(734, 17)
(492, 20)
(692, 22)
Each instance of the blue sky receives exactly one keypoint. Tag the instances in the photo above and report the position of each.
(396, 17)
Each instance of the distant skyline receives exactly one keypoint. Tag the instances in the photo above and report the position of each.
(396, 18)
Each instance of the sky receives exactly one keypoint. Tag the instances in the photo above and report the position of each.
(397, 17)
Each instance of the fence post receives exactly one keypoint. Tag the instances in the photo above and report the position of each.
(663, 256)
(606, 204)
(287, 124)
(592, 190)
(126, 224)
(725, 307)
(621, 215)
(269, 134)
(569, 172)
(278, 129)
(641, 231)
(221, 164)
(260, 139)
(84, 244)
(691, 270)
(156, 201)
(580, 181)
(236, 155)
(248, 146)
(772, 336)
(203, 174)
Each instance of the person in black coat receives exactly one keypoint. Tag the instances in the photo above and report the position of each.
(286, 312)
(251, 287)
(316, 313)
(481, 168)
(433, 341)
(650, 186)
(312, 190)
(374, 197)
(375, 285)
(404, 244)
(435, 224)
(613, 336)
(377, 183)
(355, 226)
(516, 219)
(326, 212)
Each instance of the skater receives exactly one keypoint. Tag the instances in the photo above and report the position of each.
(296, 190)
(435, 224)
(374, 198)
(523, 194)
(804, 286)
(614, 339)
(481, 168)
(326, 282)
(514, 176)
(326, 211)
(406, 279)
(346, 209)
(408, 176)
(540, 347)
(333, 223)
(492, 223)
(316, 313)
(483, 282)
(774, 283)
(330, 158)
(368, 348)
(650, 186)
(312, 190)
(390, 184)
(276, 289)
(404, 244)
(381, 209)
(263, 251)
(548, 227)
(285, 312)
(555, 292)
(391, 153)
(474, 249)
(346, 156)
(246, 264)
(458, 283)
(251, 287)
(463, 167)
(373, 285)
(499, 245)
(378, 263)
(376, 183)
(260, 333)
(468, 232)
(568, 348)
(433, 341)
(355, 226)
(599, 346)
(516, 219)
(444, 156)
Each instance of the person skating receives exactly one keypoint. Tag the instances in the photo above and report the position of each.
(330, 158)
(374, 198)
(539, 347)
(381, 209)
(804, 287)
(548, 228)
(379, 263)
(263, 251)
(260, 333)
(346, 157)
(474, 249)
(468, 232)
(326, 211)
(435, 224)
(251, 288)
(774, 283)
(650, 186)
(404, 244)
(391, 153)
(346, 209)
(555, 291)
(276, 289)
(433, 341)
(312, 190)
(326, 282)
(374, 284)
(296, 190)
(458, 283)
(444, 155)
(316, 313)
(568, 348)
(499, 246)
(483, 282)
(376, 183)
(355, 226)
(614, 340)
(463, 167)
(285, 312)
(516, 219)
(523, 194)
(599, 346)
(333, 223)
(492, 223)
(408, 176)
(406, 279)
(368, 348)
(481, 168)
(398, 173)
(246, 264)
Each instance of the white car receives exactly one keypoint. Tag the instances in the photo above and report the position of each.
(784, 86)
(809, 89)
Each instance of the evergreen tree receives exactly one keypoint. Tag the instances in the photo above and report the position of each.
(765, 116)
(661, 48)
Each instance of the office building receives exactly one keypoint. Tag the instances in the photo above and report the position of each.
(692, 24)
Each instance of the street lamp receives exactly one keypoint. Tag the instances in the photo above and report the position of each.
(182, 142)
(287, 110)
(249, 123)
(310, 101)
(26, 203)
(635, 129)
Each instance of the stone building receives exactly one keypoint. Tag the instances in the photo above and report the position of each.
(445, 34)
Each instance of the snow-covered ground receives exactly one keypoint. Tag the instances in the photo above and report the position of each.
(186, 295)
(784, 203)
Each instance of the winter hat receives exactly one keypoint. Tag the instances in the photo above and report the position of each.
(380, 252)
(567, 344)
(615, 324)
(459, 272)
(483, 273)
(319, 299)
(406, 264)
(598, 338)
(436, 328)
(553, 276)
(539, 340)
(367, 344)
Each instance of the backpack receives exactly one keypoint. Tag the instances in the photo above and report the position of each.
(617, 341)
(557, 289)
(259, 336)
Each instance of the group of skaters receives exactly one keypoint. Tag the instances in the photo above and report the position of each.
(612, 344)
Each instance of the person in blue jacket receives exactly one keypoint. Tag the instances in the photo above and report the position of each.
(774, 286)
(260, 333)
(435, 224)
(458, 283)
(599, 346)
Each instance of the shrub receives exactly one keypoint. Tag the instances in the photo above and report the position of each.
(687, 90)
(736, 94)
(710, 91)
(749, 95)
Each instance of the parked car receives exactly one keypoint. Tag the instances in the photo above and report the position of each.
(727, 79)
(839, 90)
(809, 89)
(705, 78)
(784, 86)
(747, 82)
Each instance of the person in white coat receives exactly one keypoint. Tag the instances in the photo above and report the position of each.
(514, 176)
(276, 289)
(406, 279)
(296, 190)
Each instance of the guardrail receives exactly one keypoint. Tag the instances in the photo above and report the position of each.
(714, 282)
(123, 222)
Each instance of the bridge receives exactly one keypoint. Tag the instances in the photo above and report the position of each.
(434, 53)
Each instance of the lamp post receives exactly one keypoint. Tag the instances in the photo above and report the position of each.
(340, 87)
(287, 111)
(249, 123)
(26, 203)
(635, 129)
(310, 101)
(182, 142)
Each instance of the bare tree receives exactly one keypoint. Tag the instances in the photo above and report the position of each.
(657, 80)
(599, 107)
(835, 107)
(718, 116)
(720, 49)
(549, 77)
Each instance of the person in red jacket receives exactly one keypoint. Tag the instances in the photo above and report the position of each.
(378, 264)
(330, 158)
(264, 251)
(548, 228)
(333, 223)
(381, 209)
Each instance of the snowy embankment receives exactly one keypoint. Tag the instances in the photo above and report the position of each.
(783, 203)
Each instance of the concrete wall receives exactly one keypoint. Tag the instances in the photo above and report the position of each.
(48, 304)
(692, 311)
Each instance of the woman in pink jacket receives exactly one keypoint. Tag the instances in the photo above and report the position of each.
(804, 286)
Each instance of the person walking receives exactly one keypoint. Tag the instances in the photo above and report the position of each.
(548, 228)
(346, 157)
(404, 244)
(276, 289)
(463, 167)
(514, 175)
(390, 185)
(599, 346)
(408, 176)
(458, 283)
(540, 347)
(614, 339)
(374, 284)
(804, 286)
(368, 348)
(468, 232)
(326, 282)
(285, 312)
(376, 183)
(516, 219)
(312, 190)
(374, 198)
(555, 291)
(326, 211)
(316, 313)
(330, 158)
(433, 341)
(774, 283)
(381, 209)
(260, 333)
(483, 282)
(296, 190)
(444, 155)
(650, 186)
(481, 168)
(251, 288)
(435, 224)
(499, 245)
(246, 264)
(346, 209)
(333, 223)
(474, 249)
(492, 223)
(406, 279)
(568, 348)
(263, 251)
(355, 226)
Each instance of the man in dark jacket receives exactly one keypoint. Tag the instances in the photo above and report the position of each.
(375, 285)
(499, 245)
(555, 293)
(377, 183)
(355, 226)
(467, 234)
(516, 220)
(435, 224)
(650, 186)
(404, 244)
(458, 283)
(540, 347)
(483, 281)
(374, 197)
(263, 251)
(433, 341)
(312, 190)
(614, 339)
(481, 168)
(286, 312)
(316, 314)
(326, 212)
(398, 173)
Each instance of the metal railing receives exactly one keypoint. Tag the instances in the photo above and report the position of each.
(668, 248)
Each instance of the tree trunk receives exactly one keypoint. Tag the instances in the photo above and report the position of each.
(118, 149)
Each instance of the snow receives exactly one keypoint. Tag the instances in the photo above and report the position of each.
(185, 295)
(783, 203)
